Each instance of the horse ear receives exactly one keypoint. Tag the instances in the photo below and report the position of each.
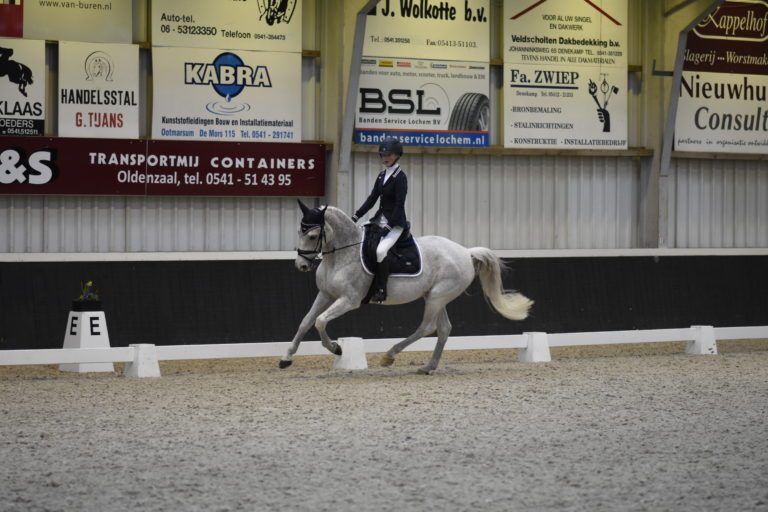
(304, 208)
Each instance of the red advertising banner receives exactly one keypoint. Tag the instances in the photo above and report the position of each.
(63, 166)
(11, 19)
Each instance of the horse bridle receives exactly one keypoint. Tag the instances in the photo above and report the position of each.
(315, 260)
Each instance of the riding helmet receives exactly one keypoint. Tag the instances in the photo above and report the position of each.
(391, 145)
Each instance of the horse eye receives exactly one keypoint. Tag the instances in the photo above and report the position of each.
(313, 237)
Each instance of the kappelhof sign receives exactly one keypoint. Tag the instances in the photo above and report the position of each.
(740, 21)
(724, 85)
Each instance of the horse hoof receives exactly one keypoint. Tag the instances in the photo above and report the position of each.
(425, 370)
(284, 364)
(336, 349)
(387, 360)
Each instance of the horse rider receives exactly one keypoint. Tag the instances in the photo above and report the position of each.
(391, 186)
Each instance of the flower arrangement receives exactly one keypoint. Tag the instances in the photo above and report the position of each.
(89, 298)
(88, 293)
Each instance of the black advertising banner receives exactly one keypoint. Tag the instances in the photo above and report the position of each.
(63, 166)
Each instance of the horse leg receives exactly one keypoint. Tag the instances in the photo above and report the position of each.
(427, 326)
(338, 308)
(322, 301)
(443, 330)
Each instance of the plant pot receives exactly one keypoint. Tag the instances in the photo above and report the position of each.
(86, 305)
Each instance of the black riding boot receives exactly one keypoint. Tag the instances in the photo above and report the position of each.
(380, 282)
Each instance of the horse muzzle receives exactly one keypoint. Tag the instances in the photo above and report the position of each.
(305, 263)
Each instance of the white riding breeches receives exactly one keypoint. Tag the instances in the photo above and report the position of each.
(386, 243)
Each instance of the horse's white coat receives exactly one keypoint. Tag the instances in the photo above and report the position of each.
(447, 270)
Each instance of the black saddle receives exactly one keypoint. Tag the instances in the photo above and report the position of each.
(404, 257)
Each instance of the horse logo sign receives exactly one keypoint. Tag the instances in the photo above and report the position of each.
(17, 73)
(276, 11)
(99, 65)
(22, 87)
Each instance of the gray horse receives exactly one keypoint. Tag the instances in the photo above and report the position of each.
(447, 270)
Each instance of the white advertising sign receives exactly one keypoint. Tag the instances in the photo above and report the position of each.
(99, 21)
(720, 112)
(423, 102)
(98, 90)
(226, 95)
(22, 87)
(232, 24)
(565, 74)
(429, 29)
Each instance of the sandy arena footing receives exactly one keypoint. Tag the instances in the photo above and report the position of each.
(599, 428)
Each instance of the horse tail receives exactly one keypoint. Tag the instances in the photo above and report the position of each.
(489, 267)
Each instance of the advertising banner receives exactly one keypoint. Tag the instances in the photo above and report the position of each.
(98, 90)
(96, 21)
(22, 87)
(565, 74)
(206, 94)
(38, 165)
(429, 29)
(232, 24)
(423, 102)
(724, 88)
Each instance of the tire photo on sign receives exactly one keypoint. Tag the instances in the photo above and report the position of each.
(471, 113)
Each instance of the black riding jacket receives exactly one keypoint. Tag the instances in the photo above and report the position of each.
(392, 194)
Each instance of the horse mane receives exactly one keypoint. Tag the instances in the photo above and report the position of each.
(341, 222)
(339, 217)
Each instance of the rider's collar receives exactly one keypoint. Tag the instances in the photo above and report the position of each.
(390, 171)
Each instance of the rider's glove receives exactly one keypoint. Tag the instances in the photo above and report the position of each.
(355, 219)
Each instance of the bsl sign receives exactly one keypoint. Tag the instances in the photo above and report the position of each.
(372, 101)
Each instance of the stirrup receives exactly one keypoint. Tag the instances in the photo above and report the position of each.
(379, 296)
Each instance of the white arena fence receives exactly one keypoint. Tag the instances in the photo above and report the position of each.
(142, 359)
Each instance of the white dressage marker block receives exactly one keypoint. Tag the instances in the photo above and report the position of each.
(86, 329)
(537, 350)
(704, 342)
(352, 355)
(144, 362)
